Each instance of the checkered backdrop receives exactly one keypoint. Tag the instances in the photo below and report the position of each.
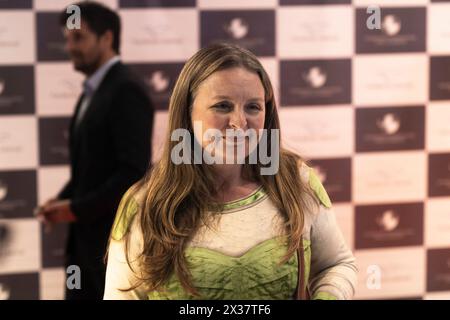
(370, 108)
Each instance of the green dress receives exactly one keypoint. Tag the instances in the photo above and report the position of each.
(256, 274)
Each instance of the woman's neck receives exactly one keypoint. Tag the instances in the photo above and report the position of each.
(229, 176)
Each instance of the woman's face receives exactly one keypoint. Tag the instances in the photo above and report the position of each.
(229, 99)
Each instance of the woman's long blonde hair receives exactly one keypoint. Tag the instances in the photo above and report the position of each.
(177, 197)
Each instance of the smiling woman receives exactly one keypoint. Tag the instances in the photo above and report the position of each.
(234, 147)
(229, 99)
(224, 230)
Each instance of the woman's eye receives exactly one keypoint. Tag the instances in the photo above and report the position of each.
(222, 106)
(254, 107)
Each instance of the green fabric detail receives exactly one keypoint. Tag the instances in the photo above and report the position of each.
(318, 188)
(256, 195)
(254, 275)
(324, 296)
(128, 208)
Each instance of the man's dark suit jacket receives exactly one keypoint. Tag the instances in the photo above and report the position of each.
(110, 149)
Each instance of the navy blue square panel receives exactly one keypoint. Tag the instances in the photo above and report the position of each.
(160, 79)
(389, 225)
(336, 176)
(251, 29)
(15, 4)
(50, 39)
(54, 140)
(439, 174)
(402, 30)
(53, 246)
(156, 3)
(439, 78)
(438, 269)
(24, 286)
(390, 128)
(315, 82)
(18, 194)
(17, 90)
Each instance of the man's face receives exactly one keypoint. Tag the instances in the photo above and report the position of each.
(84, 48)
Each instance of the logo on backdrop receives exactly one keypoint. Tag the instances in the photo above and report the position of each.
(158, 81)
(321, 173)
(389, 124)
(251, 29)
(237, 28)
(4, 136)
(388, 220)
(382, 226)
(2, 86)
(315, 82)
(3, 190)
(17, 193)
(391, 25)
(400, 30)
(70, 85)
(17, 90)
(335, 175)
(155, 31)
(373, 281)
(315, 77)
(5, 292)
(391, 128)
(22, 286)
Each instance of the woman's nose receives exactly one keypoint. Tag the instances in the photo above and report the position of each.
(238, 120)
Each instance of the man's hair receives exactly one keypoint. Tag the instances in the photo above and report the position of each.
(99, 19)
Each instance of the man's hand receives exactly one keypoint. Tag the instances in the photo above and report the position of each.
(55, 211)
(39, 213)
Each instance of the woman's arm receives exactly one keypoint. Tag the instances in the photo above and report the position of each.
(119, 274)
(333, 273)
(333, 268)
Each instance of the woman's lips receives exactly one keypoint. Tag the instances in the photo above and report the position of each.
(235, 140)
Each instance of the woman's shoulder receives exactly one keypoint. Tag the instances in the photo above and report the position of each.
(312, 180)
(128, 209)
(316, 200)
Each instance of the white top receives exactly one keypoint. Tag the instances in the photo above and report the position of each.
(333, 268)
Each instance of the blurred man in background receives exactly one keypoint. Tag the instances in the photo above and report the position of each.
(110, 138)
